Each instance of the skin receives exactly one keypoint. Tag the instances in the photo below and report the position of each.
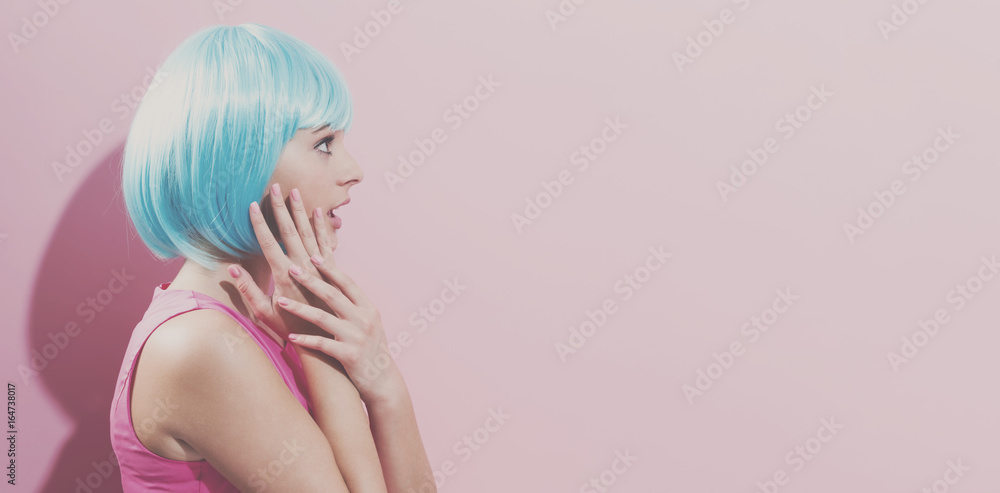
(196, 393)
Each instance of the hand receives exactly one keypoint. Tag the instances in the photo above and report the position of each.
(359, 342)
(301, 243)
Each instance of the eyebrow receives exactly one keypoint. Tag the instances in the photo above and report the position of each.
(321, 128)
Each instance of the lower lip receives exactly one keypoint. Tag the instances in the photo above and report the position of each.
(336, 222)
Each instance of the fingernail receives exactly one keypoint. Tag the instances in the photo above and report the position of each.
(317, 259)
(292, 337)
(255, 207)
(295, 269)
(318, 213)
(234, 271)
(276, 190)
(295, 195)
(283, 301)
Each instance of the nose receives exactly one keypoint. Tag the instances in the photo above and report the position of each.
(353, 174)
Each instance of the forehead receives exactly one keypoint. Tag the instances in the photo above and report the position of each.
(309, 133)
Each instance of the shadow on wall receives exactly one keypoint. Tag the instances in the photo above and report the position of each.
(96, 281)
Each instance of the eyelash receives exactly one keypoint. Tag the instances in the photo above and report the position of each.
(324, 141)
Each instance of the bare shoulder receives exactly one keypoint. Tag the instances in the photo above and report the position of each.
(197, 333)
(197, 349)
(187, 358)
(225, 402)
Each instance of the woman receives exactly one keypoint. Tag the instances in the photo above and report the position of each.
(210, 396)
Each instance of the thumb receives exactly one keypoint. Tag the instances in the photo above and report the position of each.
(256, 300)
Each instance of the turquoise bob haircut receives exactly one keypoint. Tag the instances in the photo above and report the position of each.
(208, 133)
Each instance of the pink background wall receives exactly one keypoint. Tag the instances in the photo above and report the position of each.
(824, 361)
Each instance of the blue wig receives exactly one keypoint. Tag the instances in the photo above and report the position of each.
(208, 133)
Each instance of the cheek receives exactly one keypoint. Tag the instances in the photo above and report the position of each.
(310, 205)
(313, 196)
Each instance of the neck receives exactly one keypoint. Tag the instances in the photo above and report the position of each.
(218, 284)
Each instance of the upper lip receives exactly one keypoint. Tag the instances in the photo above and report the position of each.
(342, 203)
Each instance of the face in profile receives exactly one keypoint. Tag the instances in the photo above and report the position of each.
(318, 164)
(191, 170)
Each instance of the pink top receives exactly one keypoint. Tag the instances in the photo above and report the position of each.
(141, 469)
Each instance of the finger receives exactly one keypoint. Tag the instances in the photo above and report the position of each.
(321, 224)
(305, 228)
(324, 291)
(342, 281)
(325, 345)
(255, 299)
(272, 250)
(286, 227)
(320, 318)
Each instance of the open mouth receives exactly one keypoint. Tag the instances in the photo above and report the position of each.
(335, 220)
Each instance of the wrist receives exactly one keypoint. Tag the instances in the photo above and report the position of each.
(386, 388)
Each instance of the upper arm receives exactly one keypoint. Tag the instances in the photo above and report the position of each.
(234, 409)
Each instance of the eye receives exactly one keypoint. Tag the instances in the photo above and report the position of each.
(323, 145)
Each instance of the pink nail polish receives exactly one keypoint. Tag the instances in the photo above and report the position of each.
(318, 213)
(255, 207)
(283, 301)
(234, 271)
(276, 190)
(295, 195)
(317, 259)
(294, 269)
